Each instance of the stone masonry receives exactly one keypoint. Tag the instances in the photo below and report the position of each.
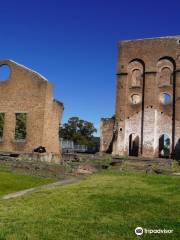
(147, 116)
(26, 91)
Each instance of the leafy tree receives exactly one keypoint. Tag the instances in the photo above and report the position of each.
(79, 131)
(20, 131)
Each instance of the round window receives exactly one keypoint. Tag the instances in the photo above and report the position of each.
(165, 98)
(4, 72)
(135, 99)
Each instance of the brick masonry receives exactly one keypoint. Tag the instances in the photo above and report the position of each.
(28, 92)
(146, 69)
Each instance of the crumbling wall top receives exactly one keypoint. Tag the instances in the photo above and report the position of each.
(15, 66)
(149, 51)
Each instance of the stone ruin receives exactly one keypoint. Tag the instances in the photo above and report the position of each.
(147, 115)
(29, 115)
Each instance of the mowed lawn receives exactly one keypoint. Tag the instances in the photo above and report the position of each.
(13, 182)
(106, 206)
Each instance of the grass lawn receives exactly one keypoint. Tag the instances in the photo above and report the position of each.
(105, 206)
(12, 182)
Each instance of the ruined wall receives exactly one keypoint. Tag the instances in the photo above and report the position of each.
(107, 134)
(148, 96)
(28, 92)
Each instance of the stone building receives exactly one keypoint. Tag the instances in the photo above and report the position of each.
(26, 99)
(147, 115)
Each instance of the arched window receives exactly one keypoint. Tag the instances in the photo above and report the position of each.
(165, 70)
(136, 78)
(135, 73)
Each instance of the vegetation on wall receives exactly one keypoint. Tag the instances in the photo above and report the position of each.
(20, 129)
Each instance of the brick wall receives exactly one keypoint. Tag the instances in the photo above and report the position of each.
(28, 92)
(146, 69)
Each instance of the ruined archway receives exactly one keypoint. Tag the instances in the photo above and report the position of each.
(133, 145)
(164, 146)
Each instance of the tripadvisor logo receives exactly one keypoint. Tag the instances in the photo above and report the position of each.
(139, 231)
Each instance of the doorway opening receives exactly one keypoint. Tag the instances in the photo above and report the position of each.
(164, 146)
(133, 145)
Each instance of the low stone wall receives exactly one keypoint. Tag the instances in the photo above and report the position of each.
(73, 164)
(158, 165)
(33, 167)
(43, 157)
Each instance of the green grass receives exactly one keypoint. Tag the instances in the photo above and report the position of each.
(106, 206)
(176, 166)
(13, 182)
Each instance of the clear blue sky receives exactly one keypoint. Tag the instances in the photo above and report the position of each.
(74, 44)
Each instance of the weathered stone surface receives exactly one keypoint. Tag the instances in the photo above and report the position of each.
(107, 127)
(31, 166)
(148, 72)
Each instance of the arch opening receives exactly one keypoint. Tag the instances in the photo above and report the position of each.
(133, 145)
(164, 146)
(135, 74)
(165, 71)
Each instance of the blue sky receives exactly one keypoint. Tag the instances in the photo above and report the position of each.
(74, 44)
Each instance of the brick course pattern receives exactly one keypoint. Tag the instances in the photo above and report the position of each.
(26, 91)
(147, 99)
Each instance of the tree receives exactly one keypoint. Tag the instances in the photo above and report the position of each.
(78, 130)
(20, 130)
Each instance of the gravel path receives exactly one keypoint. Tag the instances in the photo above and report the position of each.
(37, 189)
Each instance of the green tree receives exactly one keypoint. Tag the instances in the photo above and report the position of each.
(20, 130)
(79, 131)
